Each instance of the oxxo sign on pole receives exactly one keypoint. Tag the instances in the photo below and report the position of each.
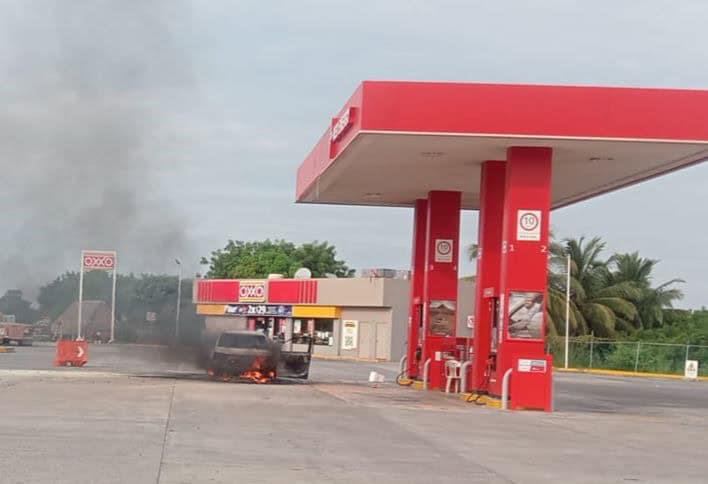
(98, 260)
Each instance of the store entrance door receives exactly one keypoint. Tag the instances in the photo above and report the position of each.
(383, 343)
(374, 341)
(367, 341)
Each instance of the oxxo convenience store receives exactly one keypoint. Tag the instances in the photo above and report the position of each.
(349, 318)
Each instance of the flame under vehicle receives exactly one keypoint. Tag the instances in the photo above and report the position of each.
(253, 356)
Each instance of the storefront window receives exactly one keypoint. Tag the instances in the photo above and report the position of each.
(265, 325)
(324, 332)
(301, 334)
(321, 330)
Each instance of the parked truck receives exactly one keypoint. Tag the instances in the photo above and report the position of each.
(20, 334)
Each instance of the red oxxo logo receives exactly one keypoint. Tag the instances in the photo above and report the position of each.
(98, 261)
(251, 291)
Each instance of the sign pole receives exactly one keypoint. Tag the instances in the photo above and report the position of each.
(81, 296)
(567, 312)
(113, 301)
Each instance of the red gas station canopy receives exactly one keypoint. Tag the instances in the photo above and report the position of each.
(393, 141)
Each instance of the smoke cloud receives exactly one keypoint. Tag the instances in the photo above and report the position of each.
(83, 83)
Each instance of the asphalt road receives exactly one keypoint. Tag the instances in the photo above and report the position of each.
(145, 415)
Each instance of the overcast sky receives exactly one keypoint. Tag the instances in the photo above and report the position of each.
(165, 128)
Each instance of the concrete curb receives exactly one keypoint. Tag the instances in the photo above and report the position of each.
(337, 358)
(347, 358)
(414, 384)
(61, 373)
(485, 400)
(594, 371)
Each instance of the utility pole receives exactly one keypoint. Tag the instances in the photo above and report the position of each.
(179, 297)
(567, 312)
(81, 299)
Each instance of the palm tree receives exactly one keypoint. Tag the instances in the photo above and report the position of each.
(473, 252)
(651, 301)
(606, 295)
(595, 305)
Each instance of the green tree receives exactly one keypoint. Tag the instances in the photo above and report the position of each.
(240, 259)
(12, 303)
(472, 252)
(135, 297)
(651, 301)
(597, 303)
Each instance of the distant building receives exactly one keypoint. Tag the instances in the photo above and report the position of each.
(7, 318)
(95, 319)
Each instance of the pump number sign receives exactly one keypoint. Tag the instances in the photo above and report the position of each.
(528, 226)
(443, 250)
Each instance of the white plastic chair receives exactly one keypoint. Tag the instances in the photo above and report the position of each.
(452, 374)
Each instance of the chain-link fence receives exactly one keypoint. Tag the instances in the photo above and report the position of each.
(637, 356)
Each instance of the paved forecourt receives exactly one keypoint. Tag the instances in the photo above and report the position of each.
(143, 418)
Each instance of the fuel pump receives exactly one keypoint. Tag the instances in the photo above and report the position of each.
(419, 347)
(495, 317)
(415, 345)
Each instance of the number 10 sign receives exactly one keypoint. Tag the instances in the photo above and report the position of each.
(528, 225)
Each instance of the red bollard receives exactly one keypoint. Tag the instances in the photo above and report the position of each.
(71, 353)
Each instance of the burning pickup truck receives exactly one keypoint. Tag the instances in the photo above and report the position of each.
(251, 355)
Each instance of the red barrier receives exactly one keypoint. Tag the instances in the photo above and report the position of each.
(71, 353)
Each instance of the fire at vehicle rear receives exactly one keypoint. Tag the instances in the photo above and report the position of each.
(246, 355)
